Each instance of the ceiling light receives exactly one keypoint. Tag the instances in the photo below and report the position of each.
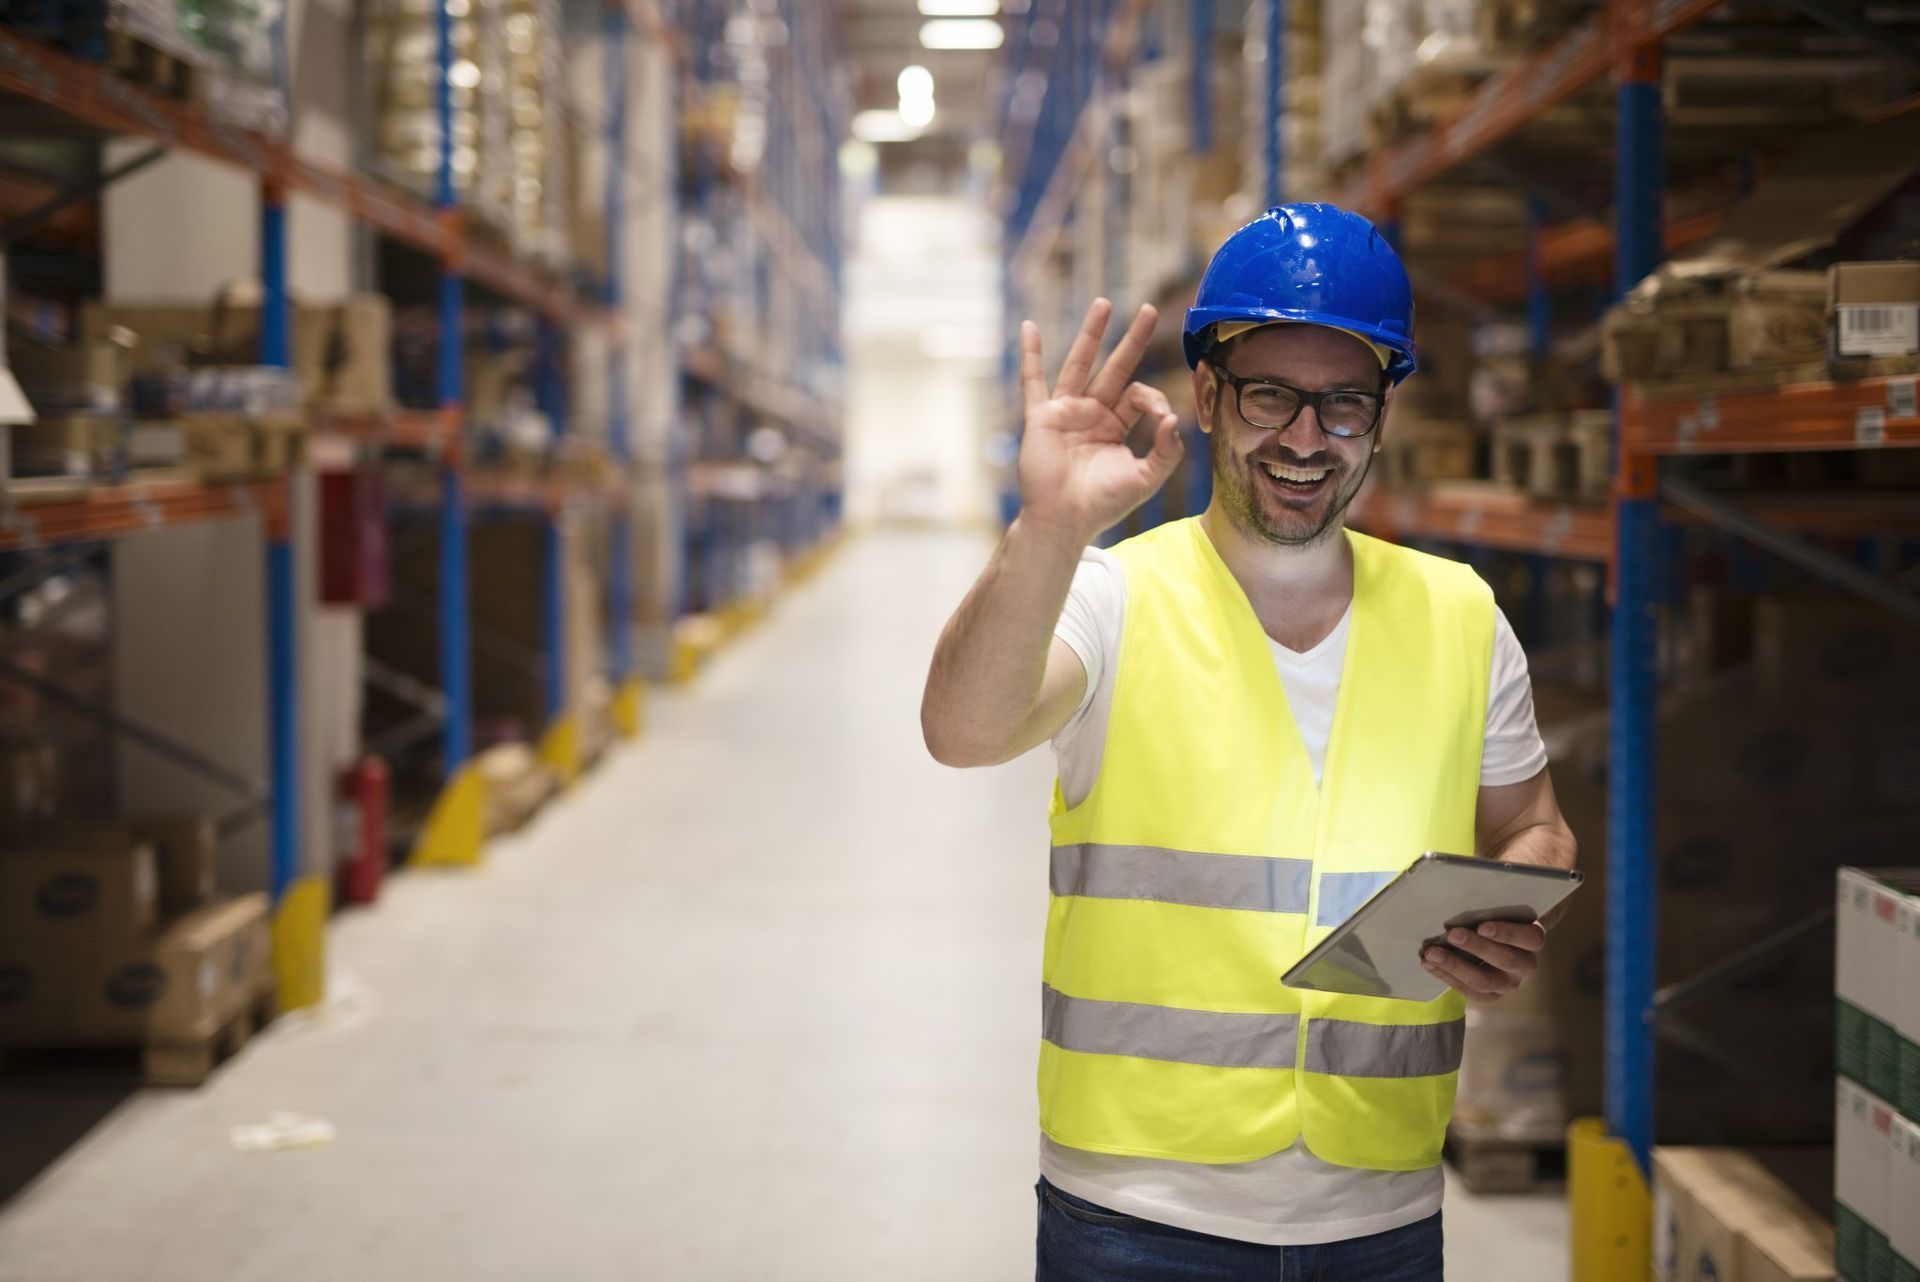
(917, 112)
(959, 8)
(915, 82)
(883, 126)
(961, 33)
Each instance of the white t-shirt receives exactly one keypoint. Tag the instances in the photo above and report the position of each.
(1292, 1197)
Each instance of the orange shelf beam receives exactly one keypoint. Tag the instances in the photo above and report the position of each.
(1580, 531)
(112, 510)
(1868, 414)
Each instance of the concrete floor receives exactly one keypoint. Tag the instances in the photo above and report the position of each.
(755, 1002)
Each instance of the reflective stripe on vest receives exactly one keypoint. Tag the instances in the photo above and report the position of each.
(1162, 1032)
(1233, 1040)
(1249, 882)
(1347, 1048)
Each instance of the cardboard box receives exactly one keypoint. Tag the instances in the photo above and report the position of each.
(1876, 308)
(33, 1000)
(1512, 1082)
(1903, 1190)
(1868, 984)
(1862, 1175)
(342, 352)
(179, 986)
(1737, 1215)
(91, 375)
(1906, 1010)
(1777, 318)
(70, 898)
(186, 852)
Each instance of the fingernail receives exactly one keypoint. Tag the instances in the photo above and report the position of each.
(1457, 936)
(1486, 928)
(1434, 955)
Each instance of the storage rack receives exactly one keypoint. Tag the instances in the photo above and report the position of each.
(1622, 40)
(799, 214)
(781, 219)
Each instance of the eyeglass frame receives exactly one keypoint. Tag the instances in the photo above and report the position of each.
(1305, 398)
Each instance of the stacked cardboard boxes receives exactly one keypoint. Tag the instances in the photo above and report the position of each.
(111, 934)
(1877, 1104)
(1741, 1215)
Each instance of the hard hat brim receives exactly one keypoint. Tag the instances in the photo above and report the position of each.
(1195, 335)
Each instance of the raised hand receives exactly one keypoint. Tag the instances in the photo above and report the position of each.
(1076, 471)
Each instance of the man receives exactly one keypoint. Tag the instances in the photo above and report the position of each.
(1259, 717)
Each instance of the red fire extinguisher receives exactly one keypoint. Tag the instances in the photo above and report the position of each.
(361, 794)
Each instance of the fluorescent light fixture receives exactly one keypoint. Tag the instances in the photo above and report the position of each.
(915, 82)
(883, 126)
(959, 8)
(961, 33)
(917, 112)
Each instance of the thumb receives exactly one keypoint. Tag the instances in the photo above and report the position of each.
(1167, 449)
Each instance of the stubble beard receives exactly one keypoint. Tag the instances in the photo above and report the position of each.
(1233, 482)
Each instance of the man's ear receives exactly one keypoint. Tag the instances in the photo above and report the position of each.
(1206, 387)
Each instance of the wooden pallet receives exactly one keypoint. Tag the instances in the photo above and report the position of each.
(173, 1063)
(191, 1063)
(1555, 456)
(1494, 1165)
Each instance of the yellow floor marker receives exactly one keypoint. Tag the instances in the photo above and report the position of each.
(560, 749)
(456, 826)
(630, 708)
(1612, 1214)
(300, 944)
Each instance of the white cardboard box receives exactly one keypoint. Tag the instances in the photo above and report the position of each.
(1868, 965)
(1906, 1014)
(1862, 1176)
(1904, 1192)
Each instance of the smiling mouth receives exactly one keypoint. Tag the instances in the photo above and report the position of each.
(1291, 477)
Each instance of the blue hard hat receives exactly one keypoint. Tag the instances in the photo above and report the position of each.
(1315, 265)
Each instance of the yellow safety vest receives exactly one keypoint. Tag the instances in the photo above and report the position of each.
(1205, 862)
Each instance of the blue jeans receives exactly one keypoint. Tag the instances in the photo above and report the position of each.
(1082, 1242)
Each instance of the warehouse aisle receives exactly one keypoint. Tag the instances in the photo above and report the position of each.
(756, 1002)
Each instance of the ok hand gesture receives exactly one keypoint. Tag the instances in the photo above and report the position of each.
(1076, 471)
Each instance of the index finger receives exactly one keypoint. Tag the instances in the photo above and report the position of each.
(1033, 382)
(1086, 345)
(1118, 371)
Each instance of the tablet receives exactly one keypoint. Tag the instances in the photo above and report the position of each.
(1376, 951)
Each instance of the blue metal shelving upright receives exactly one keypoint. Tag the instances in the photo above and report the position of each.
(620, 595)
(1640, 182)
(454, 830)
(299, 904)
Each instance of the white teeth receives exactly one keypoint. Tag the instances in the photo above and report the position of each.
(1298, 475)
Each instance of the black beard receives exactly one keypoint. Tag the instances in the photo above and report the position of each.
(1237, 500)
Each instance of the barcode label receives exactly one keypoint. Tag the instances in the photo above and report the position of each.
(1900, 398)
(1870, 425)
(1877, 329)
(1867, 320)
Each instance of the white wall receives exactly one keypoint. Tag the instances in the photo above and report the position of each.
(923, 335)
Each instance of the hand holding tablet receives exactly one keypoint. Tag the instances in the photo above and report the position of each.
(1382, 949)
